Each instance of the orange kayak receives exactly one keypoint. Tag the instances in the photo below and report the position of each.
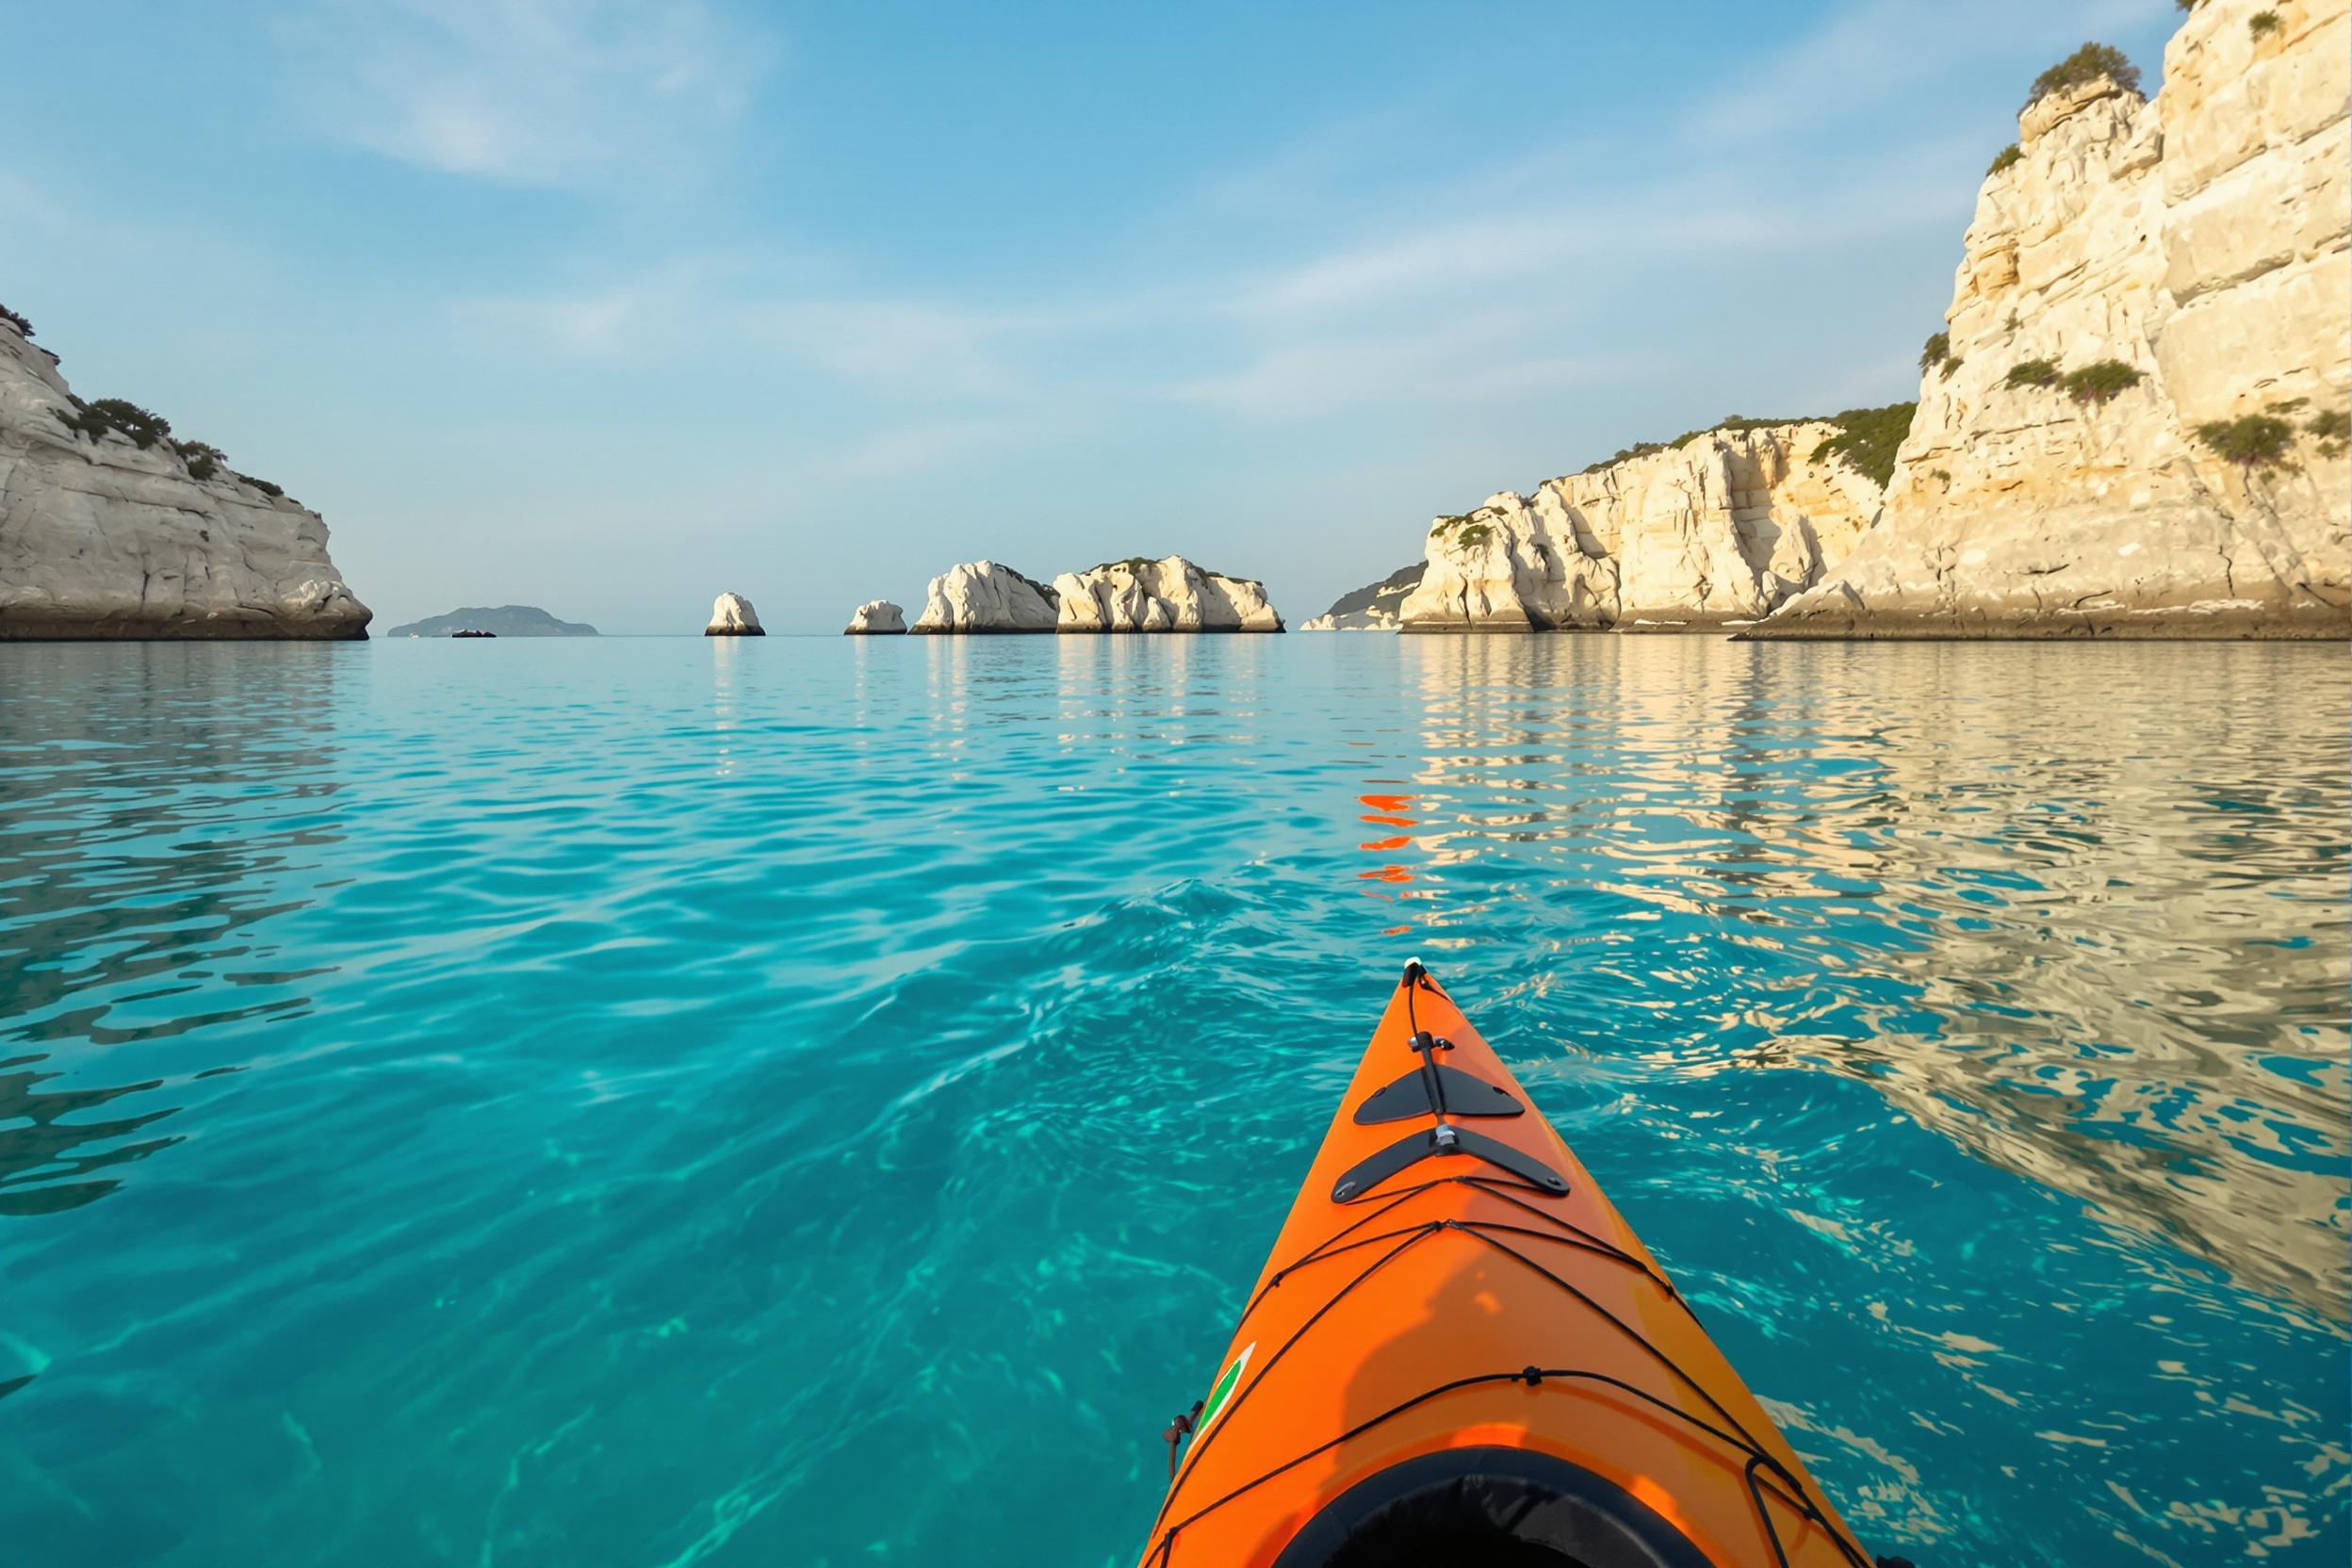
(1458, 1352)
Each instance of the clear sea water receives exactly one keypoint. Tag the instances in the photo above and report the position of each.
(819, 1102)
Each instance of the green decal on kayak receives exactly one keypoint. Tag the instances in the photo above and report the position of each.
(1224, 1389)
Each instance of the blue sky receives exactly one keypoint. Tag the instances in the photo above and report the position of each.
(609, 307)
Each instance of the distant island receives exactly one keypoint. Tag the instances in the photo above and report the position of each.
(507, 620)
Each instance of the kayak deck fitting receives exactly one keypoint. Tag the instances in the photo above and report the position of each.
(1459, 1353)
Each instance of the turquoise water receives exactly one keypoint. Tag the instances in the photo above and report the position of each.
(821, 1101)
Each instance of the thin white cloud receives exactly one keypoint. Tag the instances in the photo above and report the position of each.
(1863, 59)
(537, 93)
(1489, 307)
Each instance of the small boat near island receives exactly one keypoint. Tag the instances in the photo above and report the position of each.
(1459, 1352)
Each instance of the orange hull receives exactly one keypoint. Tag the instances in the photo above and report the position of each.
(1457, 1336)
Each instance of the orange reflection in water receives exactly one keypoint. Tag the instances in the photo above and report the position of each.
(1386, 810)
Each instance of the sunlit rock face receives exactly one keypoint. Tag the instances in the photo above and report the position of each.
(1170, 595)
(731, 615)
(984, 597)
(1719, 528)
(1372, 608)
(2198, 242)
(876, 618)
(101, 537)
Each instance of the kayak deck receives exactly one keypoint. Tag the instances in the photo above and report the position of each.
(1458, 1343)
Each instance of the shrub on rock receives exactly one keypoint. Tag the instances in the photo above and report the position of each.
(2099, 381)
(2085, 65)
(2250, 440)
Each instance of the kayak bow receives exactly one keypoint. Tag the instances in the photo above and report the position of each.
(1460, 1353)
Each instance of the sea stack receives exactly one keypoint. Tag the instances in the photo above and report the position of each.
(1171, 594)
(983, 597)
(732, 615)
(876, 618)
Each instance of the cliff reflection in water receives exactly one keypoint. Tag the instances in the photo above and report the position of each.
(159, 810)
(2097, 968)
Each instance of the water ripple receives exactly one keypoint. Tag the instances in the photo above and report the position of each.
(821, 1099)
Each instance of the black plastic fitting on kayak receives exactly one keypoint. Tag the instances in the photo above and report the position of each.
(1413, 1148)
(1459, 1093)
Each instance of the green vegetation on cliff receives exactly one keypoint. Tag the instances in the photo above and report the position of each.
(1865, 438)
(2085, 65)
(1731, 424)
(2250, 440)
(143, 428)
(202, 458)
(1869, 439)
(2100, 380)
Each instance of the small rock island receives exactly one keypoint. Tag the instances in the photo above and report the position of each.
(1139, 594)
(731, 615)
(876, 618)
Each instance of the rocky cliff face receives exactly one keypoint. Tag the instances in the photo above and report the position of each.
(2140, 428)
(1171, 594)
(1718, 528)
(1372, 608)
(983, 597)
(103, 537)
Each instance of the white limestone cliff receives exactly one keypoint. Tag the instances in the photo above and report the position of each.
(1170, 595)
(2195, 250)
(1718, 529)
(731, 615)
(876, 618)
(1372, 608)
(104, 538)
(984, 597)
